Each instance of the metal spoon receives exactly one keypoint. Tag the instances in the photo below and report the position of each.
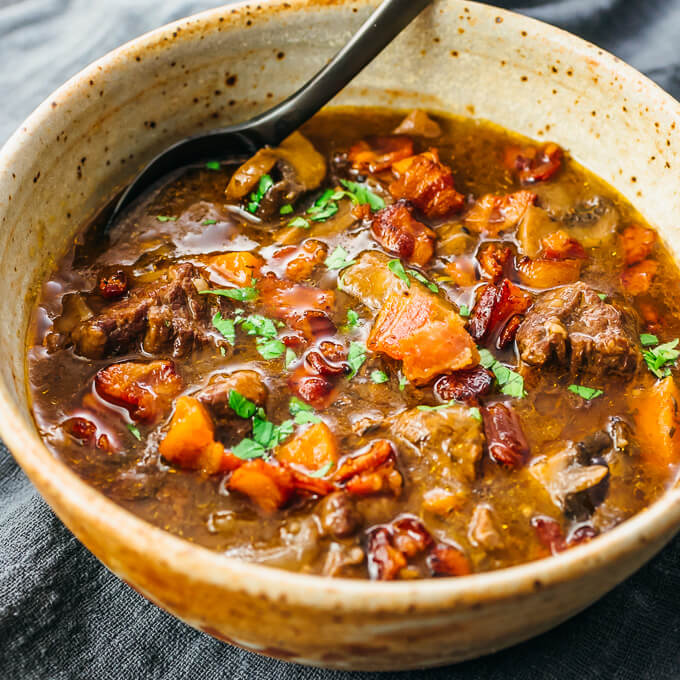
(270, 128)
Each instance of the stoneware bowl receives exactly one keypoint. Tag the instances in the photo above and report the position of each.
(92, 135)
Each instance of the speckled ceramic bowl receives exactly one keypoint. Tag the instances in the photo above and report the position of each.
(224, 65)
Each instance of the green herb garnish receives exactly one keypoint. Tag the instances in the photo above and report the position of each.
(166, 218)
(355, 357)
(464, 310)
(322, 471)
(419, 277)
(263, 186)
(659, 359)
(510, 382)
(339, 259)
(352, 319)
(361, 194)
(648, 340)
(213, 165)
(270, 348)
(242, 407)
(602, 296)
(134, 431)
(402, 383)
(225, 327)
(290, 358)
(268, 435)
(286, 209)
(247, 449)
(585, 392)
(207, 223)
(240, 294)
(302, 413)
(397, 268)
(439, 407)
(256, 324)
(300, 222)
(379, 377)
(474, 412)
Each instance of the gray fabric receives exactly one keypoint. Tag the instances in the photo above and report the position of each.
(63, 615)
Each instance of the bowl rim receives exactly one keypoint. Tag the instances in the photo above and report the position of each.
(214, 568)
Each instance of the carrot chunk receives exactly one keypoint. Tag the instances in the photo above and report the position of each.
(548, 273)
(657, 421)
(426, 335)
(267, 485)
(637, 243)
(376, 154)
(533, 163)
(427, 183)
(493, 214)
(311, 449)
(637, 279)
(190, 441)
(307, 257)
(238, 267)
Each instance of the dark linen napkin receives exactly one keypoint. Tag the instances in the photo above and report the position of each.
(63, 615)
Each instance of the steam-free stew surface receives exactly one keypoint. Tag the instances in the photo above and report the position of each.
(391, 356)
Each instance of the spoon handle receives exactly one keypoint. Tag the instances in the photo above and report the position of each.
(386, 22)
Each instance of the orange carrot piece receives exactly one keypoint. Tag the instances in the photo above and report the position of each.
(238, 267)
(269, 486)
(548, 273)
(638, 278)
(311, 449)
(637, 243)
(492, 214)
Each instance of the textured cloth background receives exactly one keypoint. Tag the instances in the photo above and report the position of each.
(63, 615)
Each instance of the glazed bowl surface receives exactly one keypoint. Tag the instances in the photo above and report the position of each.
(91, 136)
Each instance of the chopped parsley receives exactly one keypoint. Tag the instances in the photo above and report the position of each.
(510, 382)
(240, 294)
(256, 324)
(213, 165)
(439, 407)
(464, 310)
(419, 277)
(286, 209)
(339, 259)
(659, 359)
(360, 193)
(648, 340)
(166, 218)
(296, 405)
(585, 392)
(352, 319)
(300, 222)
(602, 296)
(225, 327)
(263, 186)
(402, 383)
(223, 351)
(304, 417)
(379, 377)
(324, 207)
(322, 471)
(474, 412)
(207, 223)
(270, 348)
(290, 358)
(248, 449)
(242, 407)
(134, 431)
(355, 357)
(302, 413)
(397, 268)
(268, 435)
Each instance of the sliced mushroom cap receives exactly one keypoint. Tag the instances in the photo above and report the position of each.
(420, 124)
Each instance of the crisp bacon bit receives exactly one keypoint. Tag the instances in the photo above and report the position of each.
(396, 230)
(548, 273)
(309, 256)
(493, 258)
(104, 443)
(311, 485)
(80, 428)
(268, 485)
(560, 246)
(384, 479)
(293, 340)
(314, 389)
(532, 163)
(445, 560)
(467, 385)
(113, 286)
(384, 560)
(504, 436)
(462, 271)
(507, 336)
(637, 279)
(329, 360)
(428, 336)
(493, 214)
(550, 534)
(494, 307)
(362, 211)
(637, 243)
(410, 536)
(144, 389)
(376, 454)
(427, 183)
(376, 154)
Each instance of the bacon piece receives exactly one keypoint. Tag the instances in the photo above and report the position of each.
(445, 560)
(467, 385)
(637, 279)
(494, 307)
(376, 454)
(371, 471)
(461, 271)
(396, 230)
(410, 536)
(560, 246)
(190, 440)
(376, 154)
(311, 485)
(504, 436)
(328, 360)
(428, 336)
(548, 273)
(311, 449)
(533, 163)
(427, 183)
(113, 286)
(549, 533)
(238, 267)
(384, 560)
(314, 389)
(306, 259)
(268, 485)
(82, 429)
(493, 214)
(637, 243)
(507, 336)
(144, 389)
(384, 479)
(493, 257)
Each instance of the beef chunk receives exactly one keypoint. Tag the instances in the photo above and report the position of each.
(215, 395)
(166, 313)
(574, 327)
(339, 516)
(445, 444)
